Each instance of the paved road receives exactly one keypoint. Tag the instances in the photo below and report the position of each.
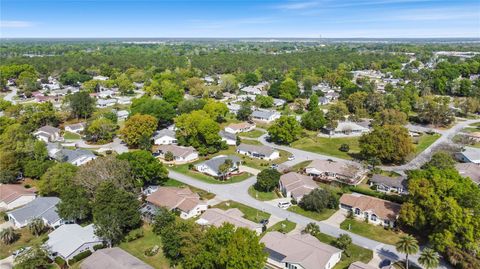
(117, 145)
(9, 97)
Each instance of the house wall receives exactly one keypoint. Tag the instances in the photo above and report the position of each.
(205, 169)
(82, 161)
(22, 200)
(362, 216)
(273, 156)
(333, 260)
(199, 209)
(229, 141)
(165, 140)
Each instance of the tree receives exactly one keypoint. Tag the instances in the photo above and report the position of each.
(169, 156)
(56, 178)
(138, 126)
(429, 258)
(189, 105)
(407, 244)
(160, 109)
(441, 160)
(74, 203)
(389, 143)
(343, 242)
(289, 90)
(313, 120)
(390, 117)
(284, 130)
(264, 101)
(228, 83)
(146, 169)
(35, 257)
(8, 235)
(245, 111)
(318, 200)
(312, 229)
(101, 130)
(224, 168)
(196, 86)
(163, 218)
(344, 147)
(435, 110)
(216, 110)
(337, 111)
(267, 180)
(250, 79)
(115, 212)
(313, 102)
(36, 226)
(81, 104)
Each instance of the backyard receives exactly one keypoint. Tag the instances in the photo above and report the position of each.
(206, 178)
(374, 232)
(311, 214)
(328, 146)
(284, 226)
(250, 213)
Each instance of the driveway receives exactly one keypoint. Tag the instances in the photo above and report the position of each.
(336, 219)
(6, 263)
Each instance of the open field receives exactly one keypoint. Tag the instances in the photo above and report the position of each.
(425, 141)
(262, 196)
(310, 214)
(328, 146)
(374, 232)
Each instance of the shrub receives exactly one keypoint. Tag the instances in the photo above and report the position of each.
(133, 235)
(318, 200)
(58, 260)
(79, 257)
(99, 246)
(344, 148)
(152, 251)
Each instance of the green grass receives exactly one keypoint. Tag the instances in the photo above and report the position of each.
(138, 247)
(251, 142)
(71, 136)
(26, 239)
(327, 146)
(206, 178)
(252, 134)
(425, 141)
(284, 226)
(355, 253)
(205, 195)
(262, 164)
(311, 214)
(262, 196)
(371, 231)
(300, 166)
(470, 129)
(250, 213)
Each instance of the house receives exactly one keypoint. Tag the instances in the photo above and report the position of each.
(75, 128)
(348, 128)
(241, 127)
(469, 155)
(258, 151)
(233, 108)
(470, 170)
(255, 90)
(15, 195)
(296, 186)
(217, 217)
(115, 258)
(102, 78)
(329, 170)
(105, 94)
(389, 184)
(44, 208)
(211, 167)
(265, 115)
(278, 102)
(182, 199)
(229, 138)
(371, 209)
(180, 154)
(122, 114)
(48, 133)
(361, 265)
(165, 137)
(106, 102)
(299, 251)
(69, 240)
(124, 100)
(76, 157)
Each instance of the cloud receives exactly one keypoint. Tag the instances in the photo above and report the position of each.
(15, 24)
(297, 5)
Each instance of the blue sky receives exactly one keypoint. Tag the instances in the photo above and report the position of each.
(229, 18)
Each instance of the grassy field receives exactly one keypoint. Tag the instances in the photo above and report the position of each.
(327, 146)
(205, 195)
(138, 247)
(250, 213)
(206, 178)
(425, 141)
(262, 164)
(71, 136)
(300, 166)
(284, 226)
(310, 214)
(252, 134)
(371, 231)
(355, 253)
(262, 196)
(26, 239)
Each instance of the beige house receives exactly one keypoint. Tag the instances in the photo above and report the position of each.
(48, 133)
(296, 185)
(15, 195)
(299, 251)
(116, 258)
(241, 127)
(182, 199)
(217, 217)
(258, 151)
(180, 154)
(335, 171)
(372, 209)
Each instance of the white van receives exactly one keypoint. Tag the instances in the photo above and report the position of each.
(284, 204)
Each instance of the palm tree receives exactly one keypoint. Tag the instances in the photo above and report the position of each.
(36, 226)
(429, 258)
(408, 245)
(8, 235)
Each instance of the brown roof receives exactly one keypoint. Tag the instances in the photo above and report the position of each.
(360, 265)
(173, 197)
(11, 192)
(334, 167)
(217, 217)
(241, 125)
(382, 208)
(178, 151)
(303, 249)
(116, 258)
(299, 185)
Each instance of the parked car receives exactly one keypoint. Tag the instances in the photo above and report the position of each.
(291, 158)
(284, 205)
(274, 166)
(264, 222)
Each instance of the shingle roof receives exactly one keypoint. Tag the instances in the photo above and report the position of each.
(115, 258)
(215, 162)
(334, 167)
(382, 208)
(217, 217)
(398, 182)
(299, 185)
(227, 135)
(76, 126)
(42, 207)
(49, 129)
(11, 192)
(69, 237)
(173, 197)
(265, 150)
(164, 132)
(68, 155)
(263, 114)
(303, 249)
(239, 126)
(178, 151)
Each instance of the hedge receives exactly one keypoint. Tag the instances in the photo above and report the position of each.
(80, 256)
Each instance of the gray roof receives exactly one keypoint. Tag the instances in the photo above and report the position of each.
(164, 132)
(113, 258)
(49, 129)
(267, 151)
(473, 154)
(227, 135)
(264, 114)
(76, 126)
(398, 182)
(76, 235)
(68, 155)
(41, 207)
(215, 163)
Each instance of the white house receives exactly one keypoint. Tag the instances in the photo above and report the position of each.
(44, 208)
(122, 114)
(229, 138)
(75, 128)
(241, 127)
(258, 151)
(349, 128)
(265, 115)
(375, 210)
(69, 240)
(180, 154)
(469, 155)
(165, 137)
(48, 133)
(15, 195)
(211, 167)
(299, 251)
(76, 157)
(296, 185)
(106, 102)
(183, 200)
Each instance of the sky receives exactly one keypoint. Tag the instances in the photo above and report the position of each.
(230, 18)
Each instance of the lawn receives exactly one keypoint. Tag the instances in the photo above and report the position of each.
(284, 226)
(250, 213)
(355, 253)
(252, 134)
(138, 247)
(71, 136)
(371, 231)
(262, 196)
(328, 146)
(206, 178)
(311, 214)
(299, 166)
(26, 239)
(205, 195)
(425, 141)
(262, 164)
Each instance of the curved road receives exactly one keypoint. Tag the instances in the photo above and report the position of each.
(9, 97)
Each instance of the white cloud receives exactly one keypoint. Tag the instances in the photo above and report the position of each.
(297, 5)
(15, 24)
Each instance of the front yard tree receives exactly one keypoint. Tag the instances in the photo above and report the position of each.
(8, 235)
(101, 130)
(56, 179)
(312, 229)
(160, 109)
(245, 111)
(224, 168)
(441, 160)
(313, 102)
(319, 200)
(146, 169)
(343, 241)
(267, 180)
(390, 117)
(216, 110)
(435, 110)
(163, 218)
(36, 226)
(115, 212)
(81, 104)
(284, 130)
(289, 90)
(74, 203)
(35, 257)
(138, 126)
(408, 245)
(389, 143)
(313, 120)
(429, 258)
